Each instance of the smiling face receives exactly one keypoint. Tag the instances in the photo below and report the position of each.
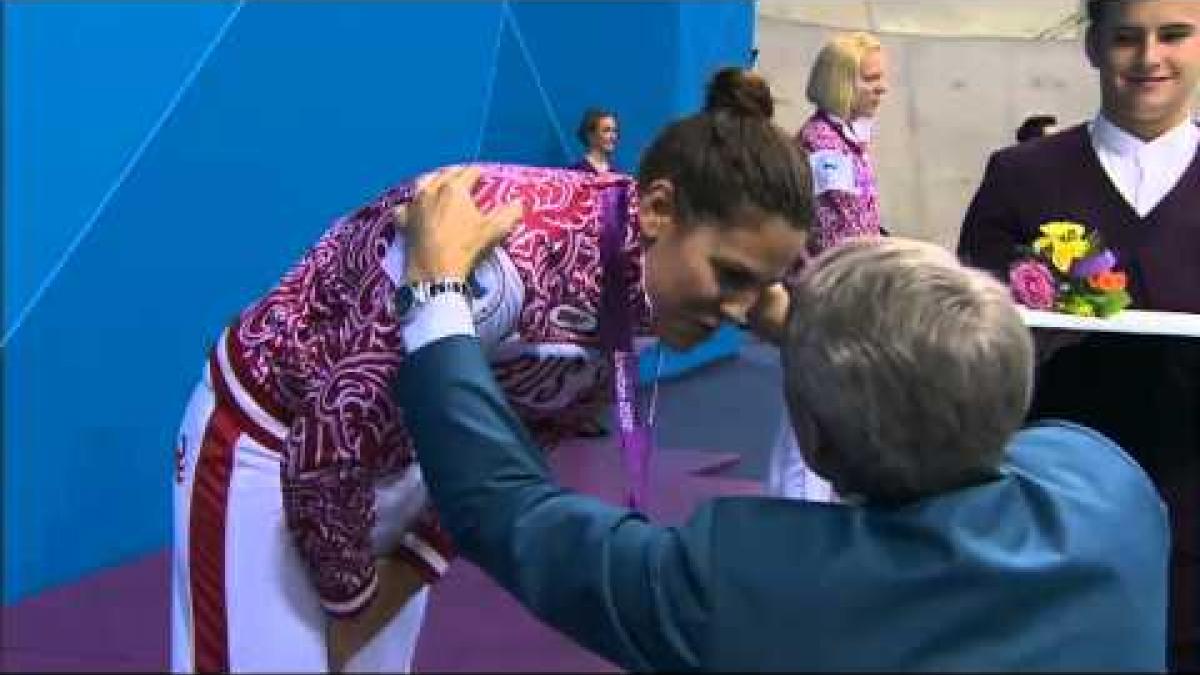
(700, 274)
(1147, 53)
(603, 135)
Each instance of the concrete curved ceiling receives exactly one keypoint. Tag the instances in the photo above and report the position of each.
(1032, 19)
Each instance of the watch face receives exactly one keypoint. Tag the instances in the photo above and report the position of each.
(406, 299)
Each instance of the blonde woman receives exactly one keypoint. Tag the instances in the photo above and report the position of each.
(847, 83)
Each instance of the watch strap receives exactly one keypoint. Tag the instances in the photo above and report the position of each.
(427, 290)
(416, 293)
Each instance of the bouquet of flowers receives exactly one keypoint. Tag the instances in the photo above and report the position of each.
(1068, 269)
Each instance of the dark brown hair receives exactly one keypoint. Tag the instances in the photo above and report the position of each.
(1034, 126)
(587, 124)
(730, 157)
(1096, 10)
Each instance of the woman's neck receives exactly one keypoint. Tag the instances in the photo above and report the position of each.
(598, 159)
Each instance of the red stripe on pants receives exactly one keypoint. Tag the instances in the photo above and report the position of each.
(206, 541)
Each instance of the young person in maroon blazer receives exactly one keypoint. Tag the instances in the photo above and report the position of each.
(1133, 174)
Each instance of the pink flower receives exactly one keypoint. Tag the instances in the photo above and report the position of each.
(1032, 284)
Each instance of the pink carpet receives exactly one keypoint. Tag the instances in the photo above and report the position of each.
(117, 620)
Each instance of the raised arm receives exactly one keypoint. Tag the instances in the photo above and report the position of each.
(628, 590)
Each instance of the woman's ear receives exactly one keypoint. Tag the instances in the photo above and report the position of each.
(656, 212)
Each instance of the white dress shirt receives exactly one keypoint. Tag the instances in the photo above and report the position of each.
(445, 314)
(789, 476)
(1144, 171)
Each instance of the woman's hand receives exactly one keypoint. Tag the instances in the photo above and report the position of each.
(768, 316)
(398, 582)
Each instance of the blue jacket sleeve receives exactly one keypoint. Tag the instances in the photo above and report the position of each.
(630, 591)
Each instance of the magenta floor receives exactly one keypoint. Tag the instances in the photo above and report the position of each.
(117, 620)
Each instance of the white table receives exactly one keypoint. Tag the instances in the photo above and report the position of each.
(1131, 321)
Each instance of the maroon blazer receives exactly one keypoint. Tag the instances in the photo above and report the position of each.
(1142, 391)
(1059, 177)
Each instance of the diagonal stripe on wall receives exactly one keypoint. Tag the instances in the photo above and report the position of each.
(551, 115)
(304, 111)
(42, 235)
(520, 125)
(490, 91)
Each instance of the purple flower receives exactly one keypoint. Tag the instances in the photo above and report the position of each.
(1092, 265)
(1032, 284)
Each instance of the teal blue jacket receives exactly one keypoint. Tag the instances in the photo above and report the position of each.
(1059, 564)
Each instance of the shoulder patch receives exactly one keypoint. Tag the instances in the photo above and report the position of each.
(832, 170)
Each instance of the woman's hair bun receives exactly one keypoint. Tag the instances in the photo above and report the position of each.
(739, 92)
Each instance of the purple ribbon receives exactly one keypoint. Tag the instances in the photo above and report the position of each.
(616, 338)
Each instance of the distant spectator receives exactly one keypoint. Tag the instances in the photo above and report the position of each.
(598, 133)
(847, 84)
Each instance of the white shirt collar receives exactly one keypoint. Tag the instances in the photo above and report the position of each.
(1144, 172)
(1177, 145)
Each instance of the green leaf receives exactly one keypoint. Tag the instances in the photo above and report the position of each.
(1108, 304)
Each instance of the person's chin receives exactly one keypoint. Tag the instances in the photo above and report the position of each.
(1152, 109)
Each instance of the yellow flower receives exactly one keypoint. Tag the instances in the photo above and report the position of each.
(1065, 254)
(1066, 243)
(1063, 230)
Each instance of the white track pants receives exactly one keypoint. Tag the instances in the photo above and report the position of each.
(241, 598)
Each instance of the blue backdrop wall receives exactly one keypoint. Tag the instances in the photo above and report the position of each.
(165, 163)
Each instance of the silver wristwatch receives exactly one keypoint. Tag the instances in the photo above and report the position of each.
(416, 293)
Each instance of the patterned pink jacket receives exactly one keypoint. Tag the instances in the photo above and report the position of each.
(846, 207)
(309, 366)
